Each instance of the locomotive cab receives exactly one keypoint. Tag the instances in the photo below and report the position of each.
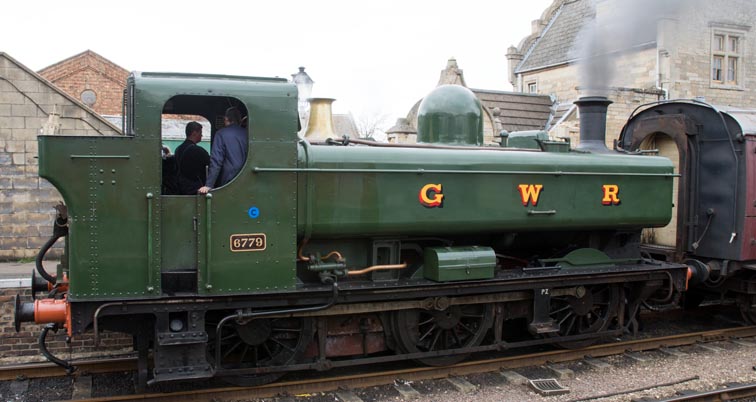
(179, 214)
(151, 244)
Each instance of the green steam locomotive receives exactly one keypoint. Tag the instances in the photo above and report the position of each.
(345, 252)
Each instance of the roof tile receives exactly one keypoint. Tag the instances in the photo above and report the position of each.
(556, 44)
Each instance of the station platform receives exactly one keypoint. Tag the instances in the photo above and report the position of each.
(18, 274)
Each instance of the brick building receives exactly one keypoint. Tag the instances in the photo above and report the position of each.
(94, 80)
(27, 104)
(99, 83)
(644, 50)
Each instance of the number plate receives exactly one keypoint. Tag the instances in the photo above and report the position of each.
(248, 242)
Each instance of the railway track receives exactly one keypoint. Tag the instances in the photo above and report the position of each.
(44, 370)
(387, 377)
(729, 393)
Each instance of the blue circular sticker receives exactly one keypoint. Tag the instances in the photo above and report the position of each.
(253, 212)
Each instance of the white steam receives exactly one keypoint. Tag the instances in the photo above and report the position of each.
(619, 26)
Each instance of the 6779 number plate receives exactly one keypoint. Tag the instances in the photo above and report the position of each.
(248, 242)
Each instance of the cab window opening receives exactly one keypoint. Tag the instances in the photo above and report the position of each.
(190, 127)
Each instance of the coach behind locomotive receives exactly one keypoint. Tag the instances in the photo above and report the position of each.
(417, 250)
(714, 225)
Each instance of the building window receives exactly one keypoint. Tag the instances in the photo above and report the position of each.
(532, 88)
(726, 58)
(88, 97)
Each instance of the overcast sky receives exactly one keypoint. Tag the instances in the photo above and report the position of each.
(374, 57)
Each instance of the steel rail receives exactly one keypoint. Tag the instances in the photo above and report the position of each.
(45, 369)
(429, 373)
(729, 393)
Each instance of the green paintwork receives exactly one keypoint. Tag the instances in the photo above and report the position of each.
(533, 139)
(178, 238)
(124, 234)
(444, 264)
(271, 105)
(555, 146)
(366, 191)
(526, 139)
(450, 114)
(107, 205)
(118, 247)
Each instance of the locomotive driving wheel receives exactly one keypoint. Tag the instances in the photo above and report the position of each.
(590, 313)
(261, 343)
(456, 327)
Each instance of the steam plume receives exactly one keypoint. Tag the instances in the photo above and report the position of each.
(620, 26)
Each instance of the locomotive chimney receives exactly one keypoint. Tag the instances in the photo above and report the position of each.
(593, 123)
(320, 126)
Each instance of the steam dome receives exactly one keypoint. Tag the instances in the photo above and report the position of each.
(450, 114)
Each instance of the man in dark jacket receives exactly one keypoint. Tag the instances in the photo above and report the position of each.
(229, 152)
(191, 161)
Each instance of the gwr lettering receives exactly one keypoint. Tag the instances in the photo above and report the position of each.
(611, 194)
(431, 196)
(529, 193)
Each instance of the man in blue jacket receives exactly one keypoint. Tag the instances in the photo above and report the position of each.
(229, 152)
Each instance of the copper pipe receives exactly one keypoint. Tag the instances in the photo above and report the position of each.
(301, 257)
(332, 253)
(377, 268)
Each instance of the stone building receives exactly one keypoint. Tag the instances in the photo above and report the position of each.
(30, 104)
(502, 110)
(637, 52)
(94, 80)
